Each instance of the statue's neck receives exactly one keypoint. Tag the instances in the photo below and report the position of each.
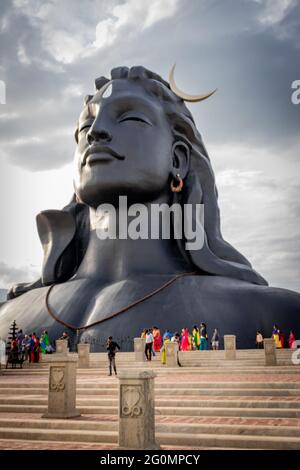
(111, 260)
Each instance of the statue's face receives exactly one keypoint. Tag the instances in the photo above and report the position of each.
(124, 146)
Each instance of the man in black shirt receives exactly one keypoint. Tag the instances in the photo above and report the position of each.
(66, 337)
(112, 346)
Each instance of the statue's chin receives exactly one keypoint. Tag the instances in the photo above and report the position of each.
(94, 195)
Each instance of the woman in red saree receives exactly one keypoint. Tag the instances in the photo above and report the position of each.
(292, 340)
(36, 350)
(184, 340)
(157, 343)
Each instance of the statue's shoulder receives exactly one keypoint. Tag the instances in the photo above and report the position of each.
(30, 312)
(236, 293)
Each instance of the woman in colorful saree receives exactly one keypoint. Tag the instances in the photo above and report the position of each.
(196, 337)
(44, 341)
(292, 340)
(184, 340)
(163, 350)
(275, 336)
(157, 344)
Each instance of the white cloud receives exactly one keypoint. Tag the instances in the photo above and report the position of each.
(33, 8)
(274, 11)
(26, 194)
(73, 90)
(258, 198)
(67, 42)
(10, 275)
(62, 45)
(22, 55)
(134, 16)
(9, 116)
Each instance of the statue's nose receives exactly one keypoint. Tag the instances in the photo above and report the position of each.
(95, 135)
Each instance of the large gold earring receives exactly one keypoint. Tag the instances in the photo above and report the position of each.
(179, 185)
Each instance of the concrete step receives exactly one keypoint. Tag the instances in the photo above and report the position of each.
(15, 444)
(189, 428)
(163, 438)
(61, 435)
(113, 392)
(168, 411)
(161, 371)
(227, 429)
(109, 385)
(223, 412)
(232, 441)
(170, 401)
(66, 424)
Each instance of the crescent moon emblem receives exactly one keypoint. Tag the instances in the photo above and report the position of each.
(185, 96)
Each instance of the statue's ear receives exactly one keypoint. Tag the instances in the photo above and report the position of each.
(56, 231)
(180, 159)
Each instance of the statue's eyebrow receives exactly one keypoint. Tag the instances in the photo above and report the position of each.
(132, 101)
(86, 114)
(137, 99)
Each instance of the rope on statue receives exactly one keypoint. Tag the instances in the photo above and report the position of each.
(133, 304)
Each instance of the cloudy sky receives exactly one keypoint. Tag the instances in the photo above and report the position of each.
(50, 54)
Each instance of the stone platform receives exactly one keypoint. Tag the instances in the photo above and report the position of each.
(209, 403)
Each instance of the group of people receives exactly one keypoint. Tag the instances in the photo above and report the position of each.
(278, 337)
(29, 347)
(197, 340)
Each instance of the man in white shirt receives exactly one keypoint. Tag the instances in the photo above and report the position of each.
(149, 343)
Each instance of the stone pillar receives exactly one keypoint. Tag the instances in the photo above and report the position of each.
(171, 354)
(270, 352)
(62, 387)
(139, 349)
(61, 346)
(83, 350)
(230, 347)
(137, 410)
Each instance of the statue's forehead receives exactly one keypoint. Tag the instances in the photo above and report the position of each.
(119, 92)
(139, 88)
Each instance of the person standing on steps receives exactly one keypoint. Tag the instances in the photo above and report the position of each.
(259, 340)
(66, 337)
(215, 340)
(149, 344)
(203, 337)
(112, 347)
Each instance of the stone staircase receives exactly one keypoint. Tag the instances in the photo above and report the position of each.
(209, 403)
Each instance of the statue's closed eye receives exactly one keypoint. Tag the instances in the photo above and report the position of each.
(135, 118)
(85, 125)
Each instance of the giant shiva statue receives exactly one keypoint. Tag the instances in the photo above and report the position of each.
(136, 138)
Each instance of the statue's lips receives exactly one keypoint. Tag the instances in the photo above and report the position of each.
(97, 153)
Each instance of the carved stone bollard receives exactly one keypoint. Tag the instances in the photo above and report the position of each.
(62, 387)
(83, 355)
(61, 346)
(270, 352)
(139, 349)
(171, 354)
(136, 410)
(230, 347)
